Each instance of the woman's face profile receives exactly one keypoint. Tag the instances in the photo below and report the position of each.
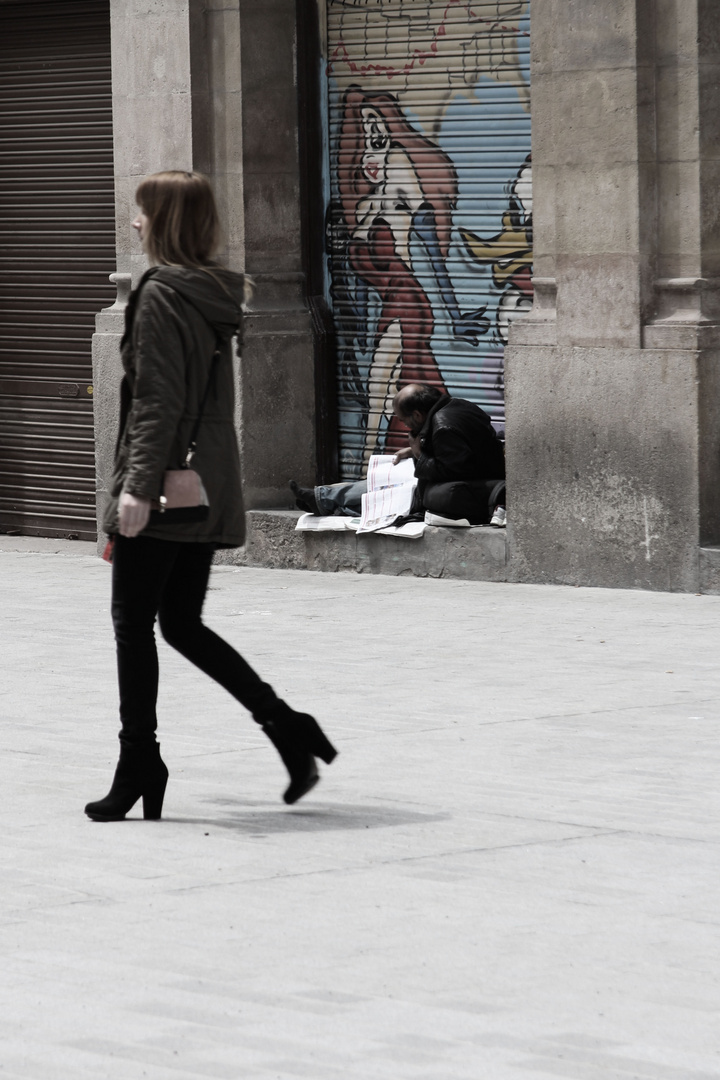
(377, 144)
(141, 223)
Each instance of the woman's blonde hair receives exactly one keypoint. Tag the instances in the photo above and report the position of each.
(183, 225)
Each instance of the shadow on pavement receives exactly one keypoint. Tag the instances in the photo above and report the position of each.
(330, 817)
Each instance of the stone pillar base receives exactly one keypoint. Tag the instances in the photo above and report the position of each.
(605, 456)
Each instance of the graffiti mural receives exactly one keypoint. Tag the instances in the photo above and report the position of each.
(429, 203)
(510, 252)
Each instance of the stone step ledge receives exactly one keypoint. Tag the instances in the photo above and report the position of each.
(478, 554)
(710, 570)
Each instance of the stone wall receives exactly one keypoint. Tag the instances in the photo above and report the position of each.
(612, 380)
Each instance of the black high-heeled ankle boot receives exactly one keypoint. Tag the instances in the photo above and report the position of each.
(299, 739)
(140, 774)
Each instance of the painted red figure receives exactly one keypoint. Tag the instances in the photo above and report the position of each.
(395, 182)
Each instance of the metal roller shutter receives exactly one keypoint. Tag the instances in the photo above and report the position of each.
(429, 220)
(57, 247)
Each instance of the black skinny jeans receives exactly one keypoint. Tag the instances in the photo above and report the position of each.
(169, 579)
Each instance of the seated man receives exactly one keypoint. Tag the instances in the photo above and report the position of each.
(459, 460)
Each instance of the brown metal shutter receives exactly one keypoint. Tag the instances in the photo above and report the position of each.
(57, 247)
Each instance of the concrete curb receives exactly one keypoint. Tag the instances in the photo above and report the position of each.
(478, 554)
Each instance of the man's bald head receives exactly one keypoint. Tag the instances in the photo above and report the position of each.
(401, 399)
(412, 404)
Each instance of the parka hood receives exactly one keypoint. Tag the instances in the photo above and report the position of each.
(218, 294)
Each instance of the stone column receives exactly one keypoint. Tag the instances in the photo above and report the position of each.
(177, 104)
(161, 99)
(160, 105)
(612, 379)
(277, 402)
(106, 381)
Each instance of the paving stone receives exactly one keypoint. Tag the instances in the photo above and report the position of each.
(511, 870)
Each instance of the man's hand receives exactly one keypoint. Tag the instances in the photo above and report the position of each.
(401, 455)
(134, 514)
(415, 447)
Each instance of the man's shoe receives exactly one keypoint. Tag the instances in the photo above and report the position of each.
(305, 499)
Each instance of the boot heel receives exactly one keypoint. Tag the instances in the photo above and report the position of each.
(322, 747)
(315, 740)
(154, 793)
(298, 761)
(153, 801)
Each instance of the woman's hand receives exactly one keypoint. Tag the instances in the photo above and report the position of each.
(134, 514)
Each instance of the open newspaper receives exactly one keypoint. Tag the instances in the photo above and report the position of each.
(389, 494)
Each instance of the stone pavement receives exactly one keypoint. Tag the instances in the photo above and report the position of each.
(511, 871)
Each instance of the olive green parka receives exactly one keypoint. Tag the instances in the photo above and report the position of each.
(174, 320)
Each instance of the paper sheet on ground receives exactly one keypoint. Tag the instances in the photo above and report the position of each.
(313, 523)
(413, 530)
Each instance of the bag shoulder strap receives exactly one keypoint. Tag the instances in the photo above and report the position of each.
(192, 445)
(216, 357)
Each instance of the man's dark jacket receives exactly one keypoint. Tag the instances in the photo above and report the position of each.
(458, 443)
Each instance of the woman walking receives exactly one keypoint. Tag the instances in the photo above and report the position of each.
(177, 397)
